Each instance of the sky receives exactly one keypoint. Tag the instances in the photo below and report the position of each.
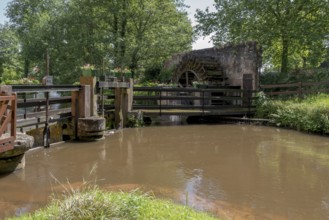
(194, 4)
(3, 4)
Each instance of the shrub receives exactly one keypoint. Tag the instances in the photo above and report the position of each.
(310, 114)
(97, 204)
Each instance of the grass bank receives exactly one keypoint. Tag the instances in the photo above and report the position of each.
(310, 114)
(97, 204)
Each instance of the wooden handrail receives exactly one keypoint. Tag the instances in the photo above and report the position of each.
(299, 88)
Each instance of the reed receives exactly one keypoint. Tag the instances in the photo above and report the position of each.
(93, 203)
(310, 114)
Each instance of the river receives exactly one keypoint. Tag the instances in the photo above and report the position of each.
(231, 171)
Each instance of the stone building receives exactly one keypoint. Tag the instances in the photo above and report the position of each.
(229, 66)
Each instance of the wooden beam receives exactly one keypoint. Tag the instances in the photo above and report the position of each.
(7, 144)
(5, 123)
(3, 107)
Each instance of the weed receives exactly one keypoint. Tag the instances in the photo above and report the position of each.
(92, 203)
(310, 114)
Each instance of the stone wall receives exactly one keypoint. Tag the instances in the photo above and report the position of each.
(234, 60)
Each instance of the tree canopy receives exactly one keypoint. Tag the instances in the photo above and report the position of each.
(293, 33)
(102, 34)
(9, 52)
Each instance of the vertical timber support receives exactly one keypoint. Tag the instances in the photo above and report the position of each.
(123, 104)
(91, 81)
(118, 92)
(130, 93)
(80, 106)
(247, 90)
(8, 106)
(81, 102)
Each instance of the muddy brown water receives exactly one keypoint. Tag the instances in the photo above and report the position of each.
(231, 171)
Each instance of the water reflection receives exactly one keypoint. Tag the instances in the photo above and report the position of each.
(236, 172)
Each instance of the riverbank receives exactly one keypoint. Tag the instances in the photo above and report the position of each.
(310, 114)
(97, 204)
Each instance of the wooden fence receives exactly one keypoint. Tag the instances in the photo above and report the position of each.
(295, 89)
(38, 104)
(7, 121)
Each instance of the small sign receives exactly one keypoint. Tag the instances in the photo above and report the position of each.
(47, 80)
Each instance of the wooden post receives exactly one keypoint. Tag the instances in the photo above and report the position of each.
(160, 106)
(103, 102)
(247, 88)
(7, 118)
(7, 91)
(118, 106)
(83, 99)
(13, 116)
(91, 81)
(130, 92)
(123, 104)
(74, 100)
(80, 105)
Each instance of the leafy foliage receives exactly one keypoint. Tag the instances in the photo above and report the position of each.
(292, 33)
(310, 114)
(9, 53)
(300, 75)
(105, 34)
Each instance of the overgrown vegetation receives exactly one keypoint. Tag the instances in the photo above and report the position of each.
(310, 114)
(157, 74)
(135, 119)
(300, 75)
(278, 26)
(19, 81)
(96, 204)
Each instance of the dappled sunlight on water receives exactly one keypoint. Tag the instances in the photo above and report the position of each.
(234, 172)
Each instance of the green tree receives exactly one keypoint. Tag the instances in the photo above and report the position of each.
(285, 29)
(144, 32)
(32, 21)
(105, 34)
(158, 30)
(9, 52)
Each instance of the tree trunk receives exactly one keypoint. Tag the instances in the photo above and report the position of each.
(1, 69)
(123, 32)
(26, 67)
(284, 55)
(116, 40)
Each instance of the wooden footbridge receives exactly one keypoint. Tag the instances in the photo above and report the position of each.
(28, 109)
(193, 101)
(224, 101)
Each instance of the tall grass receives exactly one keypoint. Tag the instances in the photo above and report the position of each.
(310, 114)
(97, 204)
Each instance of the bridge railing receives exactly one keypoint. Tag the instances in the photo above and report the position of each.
(164, 100)
(191, 101)
(295, 89)
(33, 100)
(7, 121)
